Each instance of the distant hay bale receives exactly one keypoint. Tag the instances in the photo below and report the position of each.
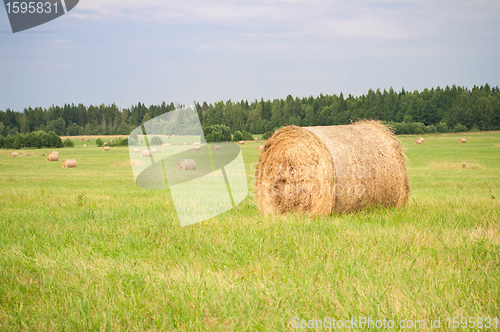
(186, 143)
(167, 137)
(52, 157)
(165, 144)
(69, 163)
(28, 155)
(187, 135)
(260, 147)
(81, 138)
(196, 143)
(105, 143)
(418, 141)
(462, 140)
(13, 154)
(146, 153)
(153, 150)
(215, 147)
(186, 165)
(422, 139)
(106, 148)
(321, 170)
(55, 152)
(255, 138)
(85, 144)
(241, 142)
(135, 150)
(87, 140)
(112, 141)
(196, 147)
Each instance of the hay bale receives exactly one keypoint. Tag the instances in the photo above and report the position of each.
(54, 152)
(69, 163)
(462, 140)
(196, 148)
(186, 143)
(85, 144)
(153, 150)
(260, 147)
(422, 139)
(87, 140)
(196, 143)
(105, 143)
(112, 141)
(146, 153)
(165, 144)
(418, 141)
(187, 135)
(52, 157)
(106, 148)
(81, 138)
(215, 147)
(14, 154)
(185, 165)
(321, 170)
(28, 155)
(241, 142)
(135, 150)
(168, 137)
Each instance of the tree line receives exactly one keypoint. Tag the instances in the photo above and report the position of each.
(438, 109)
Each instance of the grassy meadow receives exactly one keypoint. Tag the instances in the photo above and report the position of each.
(85, 249)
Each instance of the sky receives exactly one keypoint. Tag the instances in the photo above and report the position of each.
(150, 51)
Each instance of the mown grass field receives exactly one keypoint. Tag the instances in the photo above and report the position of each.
(85, 249)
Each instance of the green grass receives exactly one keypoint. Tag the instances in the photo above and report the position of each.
(85, 249)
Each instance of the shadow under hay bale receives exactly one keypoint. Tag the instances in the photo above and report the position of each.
(321, 170)
(69, 163)
(52, 157)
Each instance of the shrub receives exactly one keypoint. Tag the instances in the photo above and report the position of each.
(156, 141)
(99, 142)
(68, 143)
(459, 128)
(217, 133)
(247, 136)
(237, 136)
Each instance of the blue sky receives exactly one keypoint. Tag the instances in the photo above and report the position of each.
(124, 51)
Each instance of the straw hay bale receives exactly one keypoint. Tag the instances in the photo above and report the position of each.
(146, 153)
(153, 150)
(81, 138)
(87, 140)
(135, 150)
(418, 141)
(105, 143)
(165, 144)
(196, 147)
(186, 165)
(69, 163)
(55, 152)
(106, 148)
(186, 143)
(168, 137)
(241, 142)
(215, 147)
(260, 147)
(85, 144)
(187, 135)
(112, 141)
(462, 140)
(321, 170)
(52, 157)
(13, 154)
(422, 139)
(196, 143)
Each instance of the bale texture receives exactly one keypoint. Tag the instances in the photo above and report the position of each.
(241, 142)
(186, 165)
(13, 154)
(52, 157)
(321, 170)
(106, 148)
(146, 153)
(462, 140)
(196, 147)
(69, 163)
(87, 140)
(418, 141)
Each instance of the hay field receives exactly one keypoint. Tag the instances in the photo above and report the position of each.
(85, 249)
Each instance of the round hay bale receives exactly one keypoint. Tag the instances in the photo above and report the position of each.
(81, 138)
(85, 144)
(87, 140)
(462, 140)
(69, 163)
(215, 147)
(186, 143)
(14, 154)
(168, 137)
(422, 139)
(260, 147)
(52, 157)
(135, 150)
(105, 143)
(185, 165)
(153, 150)
(196, 143)
(112, 141)
(321, 170)
(196, 147)
(54, 152)
(187, 135)
(241, 142)
(146, 153)
(418, 141)
(106, 148)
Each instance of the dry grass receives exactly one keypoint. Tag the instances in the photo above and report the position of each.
(320, 170)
